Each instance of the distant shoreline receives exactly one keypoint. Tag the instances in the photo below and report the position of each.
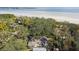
(58, 16)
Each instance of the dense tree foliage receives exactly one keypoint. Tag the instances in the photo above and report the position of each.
(16, 32)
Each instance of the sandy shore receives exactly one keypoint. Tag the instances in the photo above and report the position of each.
(59, 16)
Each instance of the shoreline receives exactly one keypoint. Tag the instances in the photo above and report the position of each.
(61, 16)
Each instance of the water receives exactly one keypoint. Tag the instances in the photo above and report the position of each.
(46, 9)
(70, 14)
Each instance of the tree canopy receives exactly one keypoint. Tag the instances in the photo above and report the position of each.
(16, 32)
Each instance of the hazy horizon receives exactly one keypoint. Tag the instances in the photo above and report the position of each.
(70, 14)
